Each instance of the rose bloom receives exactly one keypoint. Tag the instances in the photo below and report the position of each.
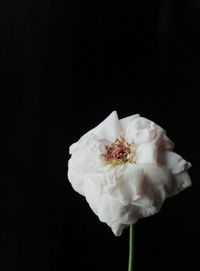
(126, 168)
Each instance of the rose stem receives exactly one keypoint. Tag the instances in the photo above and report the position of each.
(131, 241)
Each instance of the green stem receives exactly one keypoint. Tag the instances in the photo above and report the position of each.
(131, 240)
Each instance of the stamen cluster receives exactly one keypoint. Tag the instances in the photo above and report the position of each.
(119, 152)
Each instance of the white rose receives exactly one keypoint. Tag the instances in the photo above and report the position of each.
(126, 169)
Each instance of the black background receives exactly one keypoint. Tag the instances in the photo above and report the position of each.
(65, 65)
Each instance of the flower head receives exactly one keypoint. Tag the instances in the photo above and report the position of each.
(126, 168)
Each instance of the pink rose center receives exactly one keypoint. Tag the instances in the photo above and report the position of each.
(118, 152)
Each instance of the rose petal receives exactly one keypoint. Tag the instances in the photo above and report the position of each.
(146, 154)
(105, 213)
(76, 178)
(109, 129)
(93, 193)
(167, 144)
(89, 142)
(157, 182)
(155, 186)
(181, 181)
(108, 208)
(87, 153)
(128, 185)
(143, 136)
(142, 123)
(143, 130)
(125, 122)
(86, 158)
(117, 228)
(105, 177)
(174, 162)
(100, 203)
(124, 215)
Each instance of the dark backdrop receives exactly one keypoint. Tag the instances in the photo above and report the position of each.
(65, 65)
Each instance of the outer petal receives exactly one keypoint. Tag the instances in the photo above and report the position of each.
(93, 193)
(181, 181)
(108, 208)
(124, 215)
(174, 162)
(89, 142)
(100, 203)
(166, 143)
(76, 178)
(128, 185)
(109, 129)
(85, 158)
(157, 183)
(125, 122)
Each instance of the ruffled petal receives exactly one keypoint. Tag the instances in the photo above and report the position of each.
(174, 162)
(166, 143)
(100, 203)
(105, 213)
(117, 228)
(76, 178)
(146, 154)
(86, 157)
(93, 193)
(142, 123)
(87, 153)
(128, 185)
(109, 129)
(108, 208)
(126, 122)
(143, 136)
(106, 177)
(181, 181)
(142, 130)
(124, 215)
(157, 183)
(89, 142)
